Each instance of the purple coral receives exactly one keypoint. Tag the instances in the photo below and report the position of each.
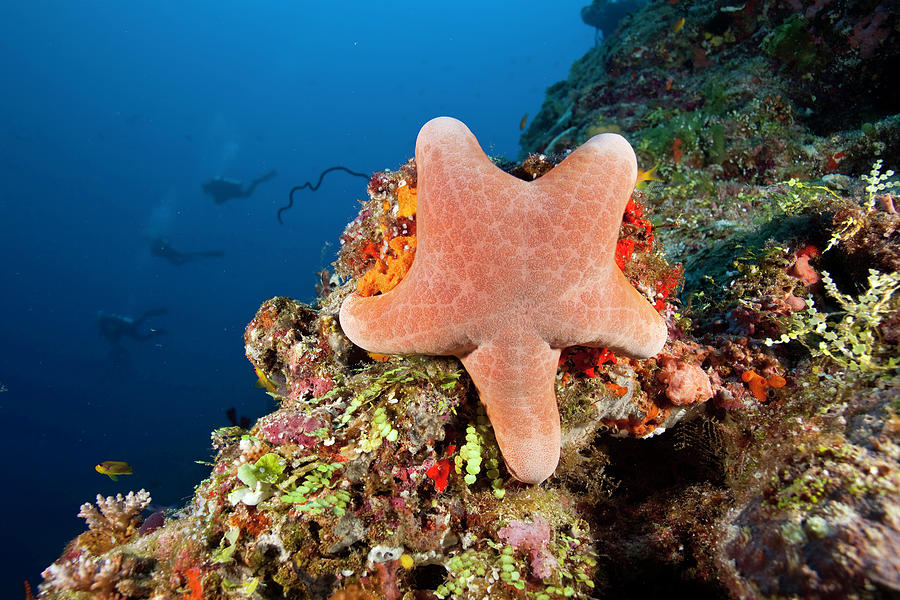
(289, 426)
(533, 536)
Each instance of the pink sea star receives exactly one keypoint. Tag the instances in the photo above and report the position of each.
(507, 273)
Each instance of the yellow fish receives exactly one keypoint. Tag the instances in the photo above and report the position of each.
(114, 468)
(264, 382)
(678, 25)
(523, 122)
(646, 176)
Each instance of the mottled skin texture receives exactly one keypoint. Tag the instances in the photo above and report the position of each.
(508, 273)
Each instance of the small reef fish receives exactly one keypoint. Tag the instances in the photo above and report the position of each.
(678, 25)
(114, 468)
(644, 177)
(264, 382)
(523, 122)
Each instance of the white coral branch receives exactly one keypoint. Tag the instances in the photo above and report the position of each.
(118, 516)
(82, 574)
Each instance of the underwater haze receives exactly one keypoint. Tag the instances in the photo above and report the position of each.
(113, 117)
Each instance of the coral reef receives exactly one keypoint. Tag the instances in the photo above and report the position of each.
(756, 456)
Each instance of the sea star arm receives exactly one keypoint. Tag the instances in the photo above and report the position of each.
(402, 321)
(516, 384)
(599, 307)
(587, 192)
(426, 312)
(615, 316)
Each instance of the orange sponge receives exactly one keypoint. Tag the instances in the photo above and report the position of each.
(388, 271)
(406, 201)
(759, 384)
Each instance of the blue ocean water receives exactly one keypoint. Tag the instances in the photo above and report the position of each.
(112, 116)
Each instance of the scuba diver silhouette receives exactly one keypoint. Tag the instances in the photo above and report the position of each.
(159, 246)
(114, 327)
(222, 189)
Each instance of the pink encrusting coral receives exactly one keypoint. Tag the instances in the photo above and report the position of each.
(685, 383)
(288, 427)
(533, 537)
(801, 269)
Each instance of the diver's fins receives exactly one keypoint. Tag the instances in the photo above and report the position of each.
(270, 175)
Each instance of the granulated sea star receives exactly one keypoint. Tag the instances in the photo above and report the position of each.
(507, 273)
